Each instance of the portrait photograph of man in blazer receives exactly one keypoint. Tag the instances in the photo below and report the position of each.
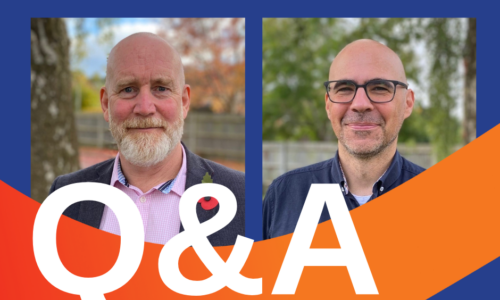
(145, 101)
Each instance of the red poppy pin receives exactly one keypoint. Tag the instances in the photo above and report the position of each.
(208, 203)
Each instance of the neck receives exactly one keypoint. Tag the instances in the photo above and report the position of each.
(145, 178)
(362, 173)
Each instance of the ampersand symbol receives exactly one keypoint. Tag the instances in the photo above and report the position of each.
(195, 234)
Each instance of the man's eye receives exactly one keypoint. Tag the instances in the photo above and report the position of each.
(161, 89)
(380, 89)
(128, 92)
(344, 89)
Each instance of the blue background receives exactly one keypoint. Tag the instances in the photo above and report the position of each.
(15, 76)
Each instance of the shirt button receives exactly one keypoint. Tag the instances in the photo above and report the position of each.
(381, 188)
(143, 199)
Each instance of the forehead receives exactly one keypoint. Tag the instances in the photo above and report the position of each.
(143, 59)
(367, 61)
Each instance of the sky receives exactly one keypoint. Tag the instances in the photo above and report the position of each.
(97, 52)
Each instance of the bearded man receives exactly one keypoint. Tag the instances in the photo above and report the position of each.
(367, 99)
(145, 100)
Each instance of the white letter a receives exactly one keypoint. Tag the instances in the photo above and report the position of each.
(300, 254)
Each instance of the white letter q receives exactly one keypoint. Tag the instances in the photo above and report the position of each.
(45, 247)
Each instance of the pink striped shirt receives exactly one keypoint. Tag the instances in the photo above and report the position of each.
(159, 207)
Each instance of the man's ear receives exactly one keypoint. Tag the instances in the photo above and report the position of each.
(409, 102)
(327, 105)
(105, 103)
(186, 99)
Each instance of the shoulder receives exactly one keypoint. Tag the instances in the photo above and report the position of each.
(232, 179)
(410, 169)
(224, 173)
(319, 172)
(295, 184)
(219, 173)
(90, 174)
(286, 195)
(197, 167)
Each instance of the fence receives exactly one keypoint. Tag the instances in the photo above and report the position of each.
(209, 135)
(281, 157)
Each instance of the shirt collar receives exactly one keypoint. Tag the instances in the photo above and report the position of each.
(393, 172)
(176, 185)
(387, 179)
(338, 174)
(179, 186)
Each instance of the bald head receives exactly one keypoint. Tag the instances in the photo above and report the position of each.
(363, 60)
(143, 49)
(368, 127)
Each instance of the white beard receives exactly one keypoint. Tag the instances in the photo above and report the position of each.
(146, 149)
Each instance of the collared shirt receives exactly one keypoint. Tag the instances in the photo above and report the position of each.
(159, 207)
(345, 188)
(286, 195)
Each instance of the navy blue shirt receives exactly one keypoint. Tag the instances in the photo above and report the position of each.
(286, 195)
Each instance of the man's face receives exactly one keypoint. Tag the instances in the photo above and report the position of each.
(362, 127)
(145, 99)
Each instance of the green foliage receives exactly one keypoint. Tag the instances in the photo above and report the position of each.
(414, 128)
(105, 37)
(296, 59)
(297, 54)
(86, 92)
(396, 33)
(447, 50)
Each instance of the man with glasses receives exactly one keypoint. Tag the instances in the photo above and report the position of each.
(367, 99)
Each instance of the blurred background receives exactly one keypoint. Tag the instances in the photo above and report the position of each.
(68, 69)
(439, 56)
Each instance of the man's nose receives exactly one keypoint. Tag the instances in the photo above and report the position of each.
(145, 104)
(361, 102)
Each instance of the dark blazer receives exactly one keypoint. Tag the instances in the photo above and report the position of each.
(90, 212)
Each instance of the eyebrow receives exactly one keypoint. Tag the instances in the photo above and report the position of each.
(376, 78)
(125, 82)
(163, 80)
(128, 81)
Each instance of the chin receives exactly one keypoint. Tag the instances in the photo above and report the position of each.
(363, 149)
(147, 150)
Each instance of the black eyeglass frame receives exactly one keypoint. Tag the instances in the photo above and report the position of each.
(395, 82)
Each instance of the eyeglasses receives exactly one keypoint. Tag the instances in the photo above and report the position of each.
(377, 90)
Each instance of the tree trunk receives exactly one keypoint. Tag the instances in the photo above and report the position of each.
(54, 146)
(470, 83)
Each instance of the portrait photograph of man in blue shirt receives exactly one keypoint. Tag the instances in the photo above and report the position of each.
(365, 103)
(367, 99)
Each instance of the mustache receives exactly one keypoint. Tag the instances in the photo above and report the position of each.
(362, 118)
(144, 123)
